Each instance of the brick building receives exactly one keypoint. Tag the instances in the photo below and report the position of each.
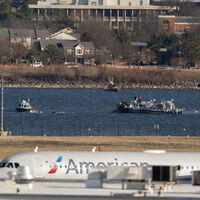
(177, 24)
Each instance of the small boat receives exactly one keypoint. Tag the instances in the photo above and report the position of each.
(25, 106)
(112, 87)
(149, 107)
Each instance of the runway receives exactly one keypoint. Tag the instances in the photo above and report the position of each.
(77, 191)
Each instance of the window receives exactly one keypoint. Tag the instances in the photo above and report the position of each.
(9, 165)
(141, 2)
(88, 51)
(69, 51)
(23, 40)
(79, 51)
(60, 166)
(165, 25)
(165, 22)
(118, 2)
(129, 3)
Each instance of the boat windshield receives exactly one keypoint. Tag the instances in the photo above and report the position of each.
(9, 165)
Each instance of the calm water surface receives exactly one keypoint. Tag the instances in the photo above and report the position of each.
(89, 112)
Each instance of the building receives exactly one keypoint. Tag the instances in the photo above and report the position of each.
(177, 24)
(73, 52)
(23, 36)
(95, 2)
(115, 13)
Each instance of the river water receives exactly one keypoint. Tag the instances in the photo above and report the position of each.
(65, 112)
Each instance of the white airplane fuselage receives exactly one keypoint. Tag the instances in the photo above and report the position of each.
(76, 164)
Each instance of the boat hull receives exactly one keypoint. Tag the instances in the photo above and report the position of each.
(147, 111)
(113, 90)
(26, 110)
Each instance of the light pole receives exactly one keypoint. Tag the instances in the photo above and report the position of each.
(4, 133)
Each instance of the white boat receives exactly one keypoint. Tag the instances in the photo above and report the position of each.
(25, 106)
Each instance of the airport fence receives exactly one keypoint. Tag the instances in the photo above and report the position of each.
(116, 128)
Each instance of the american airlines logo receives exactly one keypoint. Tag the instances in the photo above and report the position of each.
(55, 166)
(83, 167)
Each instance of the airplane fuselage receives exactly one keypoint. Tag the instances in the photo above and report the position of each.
(76, 164)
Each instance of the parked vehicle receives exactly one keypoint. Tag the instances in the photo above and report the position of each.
(37, 64)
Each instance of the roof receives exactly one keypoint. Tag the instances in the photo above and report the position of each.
(42, 33)
(187, 19)
(67, 30)
(45, 43)
(14, 33)
(72, 44)
(65, 44)
(65, 36)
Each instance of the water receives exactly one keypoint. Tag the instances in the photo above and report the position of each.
(89, 112)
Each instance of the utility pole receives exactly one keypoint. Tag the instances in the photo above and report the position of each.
(2, 104)
(2, 108)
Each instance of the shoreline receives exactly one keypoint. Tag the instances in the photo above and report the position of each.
(185, 85)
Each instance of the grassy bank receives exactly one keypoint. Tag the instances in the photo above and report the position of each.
(62, 76)
(15, 144)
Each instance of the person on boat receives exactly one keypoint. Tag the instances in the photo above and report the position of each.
(139, 99)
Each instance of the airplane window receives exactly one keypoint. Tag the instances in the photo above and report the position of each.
(192, 167)
(9, 165)
(182, 167)
(16, 165)
(60, 166)
(50, 166)
(187, 167)
(2, 165)
(65, 166)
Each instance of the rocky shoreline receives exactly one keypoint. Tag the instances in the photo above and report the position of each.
(100, 85)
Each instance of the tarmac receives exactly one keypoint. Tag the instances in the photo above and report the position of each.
(78, 191)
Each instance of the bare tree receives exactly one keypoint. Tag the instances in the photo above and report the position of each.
(18, 51)
(145, 30)
(4, 49)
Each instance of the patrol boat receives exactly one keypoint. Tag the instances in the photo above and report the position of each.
(111, 87)
(149, 107)
(25, 106)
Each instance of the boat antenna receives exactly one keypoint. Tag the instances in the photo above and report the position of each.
(2, 104)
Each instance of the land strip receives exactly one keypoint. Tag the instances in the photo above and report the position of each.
(15, 144)
(98, 77)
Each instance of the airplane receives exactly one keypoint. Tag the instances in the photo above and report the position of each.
(75, 165)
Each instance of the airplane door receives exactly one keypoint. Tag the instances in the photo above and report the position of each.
(38, 166)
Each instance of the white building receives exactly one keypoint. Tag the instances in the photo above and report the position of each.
(96, 2)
